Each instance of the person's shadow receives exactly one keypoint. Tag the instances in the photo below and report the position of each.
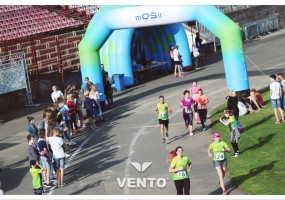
(261, 142)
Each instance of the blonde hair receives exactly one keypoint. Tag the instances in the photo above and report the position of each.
(232, 93)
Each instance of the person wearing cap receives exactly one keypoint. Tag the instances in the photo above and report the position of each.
(217, 151)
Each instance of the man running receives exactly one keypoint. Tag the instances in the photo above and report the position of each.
(162, 109)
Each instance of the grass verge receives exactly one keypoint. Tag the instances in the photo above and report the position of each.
(260, 168)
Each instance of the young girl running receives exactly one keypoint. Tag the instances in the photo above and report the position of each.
(217, 151)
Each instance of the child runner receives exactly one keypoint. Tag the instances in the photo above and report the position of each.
(36, 172)
(217, 151)
(181, 166)
(234, 134)
(162, 109)
(186, 104)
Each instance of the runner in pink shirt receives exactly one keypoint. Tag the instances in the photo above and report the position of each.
(194, 91)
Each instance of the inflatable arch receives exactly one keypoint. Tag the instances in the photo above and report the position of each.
(109, 35)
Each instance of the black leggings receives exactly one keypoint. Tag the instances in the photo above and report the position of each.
(235, 146)
(180, 184)
(203, 116)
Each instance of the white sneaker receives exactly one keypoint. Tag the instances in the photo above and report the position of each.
(67, 155)
(72, 143)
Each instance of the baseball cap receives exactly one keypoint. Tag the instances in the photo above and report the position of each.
(217, 135)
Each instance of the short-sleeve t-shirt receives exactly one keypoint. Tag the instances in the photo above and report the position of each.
(42, 145)
(188, 104)
(275, 88)
(162, 111)
(283, 86)
(64, 110)
(178, 162)
(218, 154)
(194, 91)
(202, 102)
(233, 121)
(56, 146)
(36, 173)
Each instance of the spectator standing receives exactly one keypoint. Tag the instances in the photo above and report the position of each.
(282, 82)
(72, 112)
(177, 62)
(89, 109)
(232, 103)
(198, 42)
(36, 172)
(56, 94)
(94, 96)
(33, 130)
(171, 54)
(33, 153)
(56, 144)
(86, 85)
(78, 108)
(275, 97)
(108, 89)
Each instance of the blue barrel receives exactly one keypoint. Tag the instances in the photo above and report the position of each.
(119, 81)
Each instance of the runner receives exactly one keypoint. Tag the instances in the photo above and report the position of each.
(162, 109)
(181, 166)
(194, 90)
(186, 104)
(234, 134)
(217, 151)
(202, 101)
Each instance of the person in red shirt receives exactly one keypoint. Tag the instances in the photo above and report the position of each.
(72, 112)
(202, 101)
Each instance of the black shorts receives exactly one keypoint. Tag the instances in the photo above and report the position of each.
(177, 62)
(188, 118)
(164, 122)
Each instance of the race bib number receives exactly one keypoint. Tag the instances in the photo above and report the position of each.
(162, 114)
(202, 106)
(181, 174)
(220, 156)
(188, 111)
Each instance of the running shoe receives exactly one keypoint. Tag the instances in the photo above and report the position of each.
(204, 129)
(198, 122)
(181, 76)
(62, 185)
(163, 140)
(277, 122)
(234, 155)
(191, 134)
(166, 136)
(225, 192)
(238, 152)
(283, 120)
(67, 155)
(48, 185)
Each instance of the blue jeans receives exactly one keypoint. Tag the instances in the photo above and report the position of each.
(276, 103)
(98, 112)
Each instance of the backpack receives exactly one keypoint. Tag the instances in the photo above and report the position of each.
(239, 127)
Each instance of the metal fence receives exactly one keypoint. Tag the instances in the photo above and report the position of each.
(261, 27)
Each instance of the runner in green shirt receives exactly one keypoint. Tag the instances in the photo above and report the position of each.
(181, 166)
(217, 151)
(162, 110)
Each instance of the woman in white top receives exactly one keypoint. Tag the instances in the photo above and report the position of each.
(95, 97)
(177, 62)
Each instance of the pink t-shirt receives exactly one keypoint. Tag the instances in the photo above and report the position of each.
(186, 104)
(194, 91)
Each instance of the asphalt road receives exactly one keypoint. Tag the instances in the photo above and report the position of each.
(101, 159)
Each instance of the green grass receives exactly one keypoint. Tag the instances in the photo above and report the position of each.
(260, 168)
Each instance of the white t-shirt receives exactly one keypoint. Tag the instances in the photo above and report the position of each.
(56, 94)
(275, 88)
(176, 55)
(56, 146)
(95, 96)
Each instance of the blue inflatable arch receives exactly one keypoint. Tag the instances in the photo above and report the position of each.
(109, 35)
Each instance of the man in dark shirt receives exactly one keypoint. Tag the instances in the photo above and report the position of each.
(198, 42)
(33, 153)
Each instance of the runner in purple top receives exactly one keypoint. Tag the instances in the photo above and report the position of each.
(187, 104)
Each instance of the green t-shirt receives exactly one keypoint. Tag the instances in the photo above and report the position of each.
(162, 111)
(36, 175)
(218, 154)
(233, 121)
(178, 162)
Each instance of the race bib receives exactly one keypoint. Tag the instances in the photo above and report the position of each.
(220, 156)
(181, 174)
(202, 106)
(195, 96)
(162, 114)
(188, 111)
